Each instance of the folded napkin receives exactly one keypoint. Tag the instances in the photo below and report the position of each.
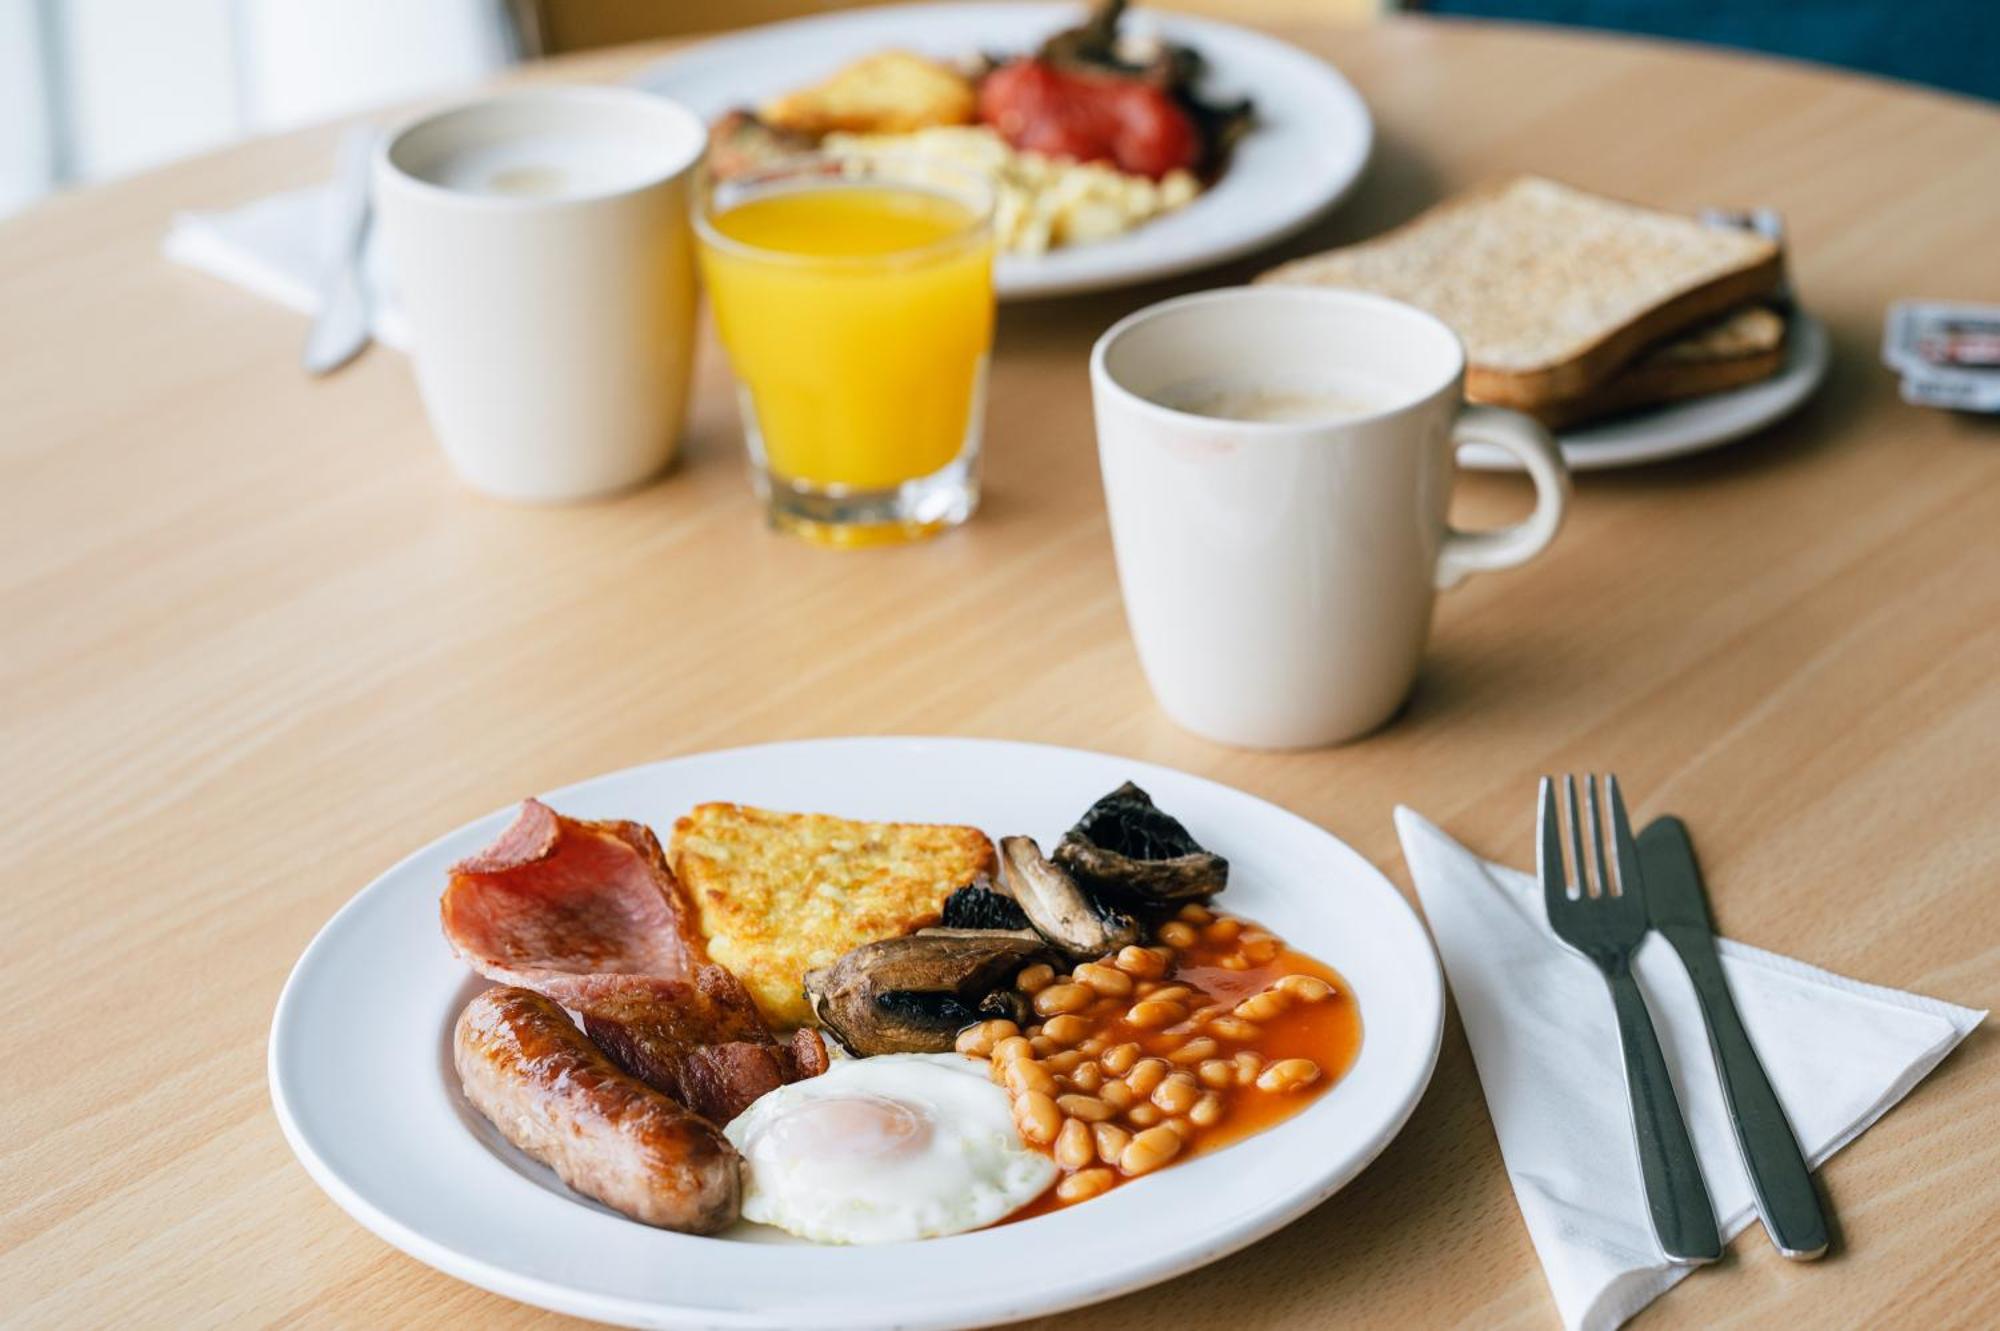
(276, 247)
(1840, 1053)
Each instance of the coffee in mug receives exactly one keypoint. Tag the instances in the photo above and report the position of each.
(1252, 399)
(1278, 466)
(540, 247)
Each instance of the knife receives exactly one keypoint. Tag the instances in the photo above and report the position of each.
(340, 329)
(1677, 907)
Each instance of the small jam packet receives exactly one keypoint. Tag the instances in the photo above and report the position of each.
(1948, 353)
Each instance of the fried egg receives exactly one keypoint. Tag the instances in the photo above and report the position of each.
(878, 1150)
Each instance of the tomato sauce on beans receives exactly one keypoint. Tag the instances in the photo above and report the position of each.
(1135, 1061)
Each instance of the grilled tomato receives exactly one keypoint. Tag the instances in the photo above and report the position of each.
(1089, 117)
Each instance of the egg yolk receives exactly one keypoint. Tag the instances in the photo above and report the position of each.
(858, 1127)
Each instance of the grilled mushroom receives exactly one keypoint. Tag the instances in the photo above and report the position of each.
(1060, 910)
(983, 905)
(1128, 848)
(912, 995)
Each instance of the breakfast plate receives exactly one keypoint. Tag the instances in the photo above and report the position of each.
(361, 1071)
(1692, 426)
(1307, 148)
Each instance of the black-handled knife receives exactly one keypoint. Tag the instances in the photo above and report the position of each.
(1678, 909)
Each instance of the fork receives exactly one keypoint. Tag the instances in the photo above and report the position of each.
(1602, 915)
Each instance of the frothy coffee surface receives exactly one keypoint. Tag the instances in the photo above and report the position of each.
(1230, 401)
(547, 166)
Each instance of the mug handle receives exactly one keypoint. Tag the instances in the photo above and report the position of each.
(1466, 552)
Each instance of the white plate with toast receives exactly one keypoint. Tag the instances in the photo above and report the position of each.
(1636, 334)
(361, 1066)
(1693, 425)
(1307, 148)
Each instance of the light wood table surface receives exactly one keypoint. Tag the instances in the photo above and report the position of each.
(258, 645)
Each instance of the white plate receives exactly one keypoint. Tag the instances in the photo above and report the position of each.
(1699, 423)
(1306, 150)
(360, 1066)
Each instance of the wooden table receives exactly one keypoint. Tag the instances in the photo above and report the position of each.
(258, 645)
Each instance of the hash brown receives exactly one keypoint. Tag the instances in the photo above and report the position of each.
(779, 894)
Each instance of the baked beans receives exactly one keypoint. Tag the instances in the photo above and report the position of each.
(1305, 988)
(1085, 1184)
(1108, 981)
(1233, 1028)
(1149, 1150)
(1036, 1115)
(1064, 1063)
(1146, 1074)
(1035, 978)
(978, 1041)
(1177, 1094)
(1066, 1029)
(1118, 1059)
(1064, 997)
(1211, 1032)
(1288, 1074)
(1152, 1013)
(1143, 962)
(1257, 1007)
(1074, 1146)
(1086, 1107)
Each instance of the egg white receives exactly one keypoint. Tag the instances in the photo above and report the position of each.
(885, 1149)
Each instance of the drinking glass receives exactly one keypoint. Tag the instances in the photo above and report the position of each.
(855, 301)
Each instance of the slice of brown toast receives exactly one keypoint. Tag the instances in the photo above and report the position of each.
(779, 894)
(1552, 289)
(1742, 347)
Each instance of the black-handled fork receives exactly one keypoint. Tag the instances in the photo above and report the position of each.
(1600, 912)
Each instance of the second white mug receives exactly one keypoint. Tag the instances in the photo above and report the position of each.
(541, 249)
(1278, 466)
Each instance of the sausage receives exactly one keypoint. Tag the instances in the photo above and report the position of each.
(554, 1094)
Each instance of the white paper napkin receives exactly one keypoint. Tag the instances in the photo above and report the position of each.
(1840, 1053)
(275, 247)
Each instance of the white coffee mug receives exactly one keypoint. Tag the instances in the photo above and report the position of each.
(540, 246)
(1279, 572)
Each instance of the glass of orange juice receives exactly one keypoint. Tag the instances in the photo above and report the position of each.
(856, 304)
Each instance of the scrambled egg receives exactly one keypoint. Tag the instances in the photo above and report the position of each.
(1041, 203)
(781, 893)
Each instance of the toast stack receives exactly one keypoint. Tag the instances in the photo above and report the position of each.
(1572, 306)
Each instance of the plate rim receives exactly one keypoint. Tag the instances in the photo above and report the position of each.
(555, 1296)
(1023, 282)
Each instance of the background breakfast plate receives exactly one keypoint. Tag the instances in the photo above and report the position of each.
(360, 1066)
(1307, 148)
(1692, 426)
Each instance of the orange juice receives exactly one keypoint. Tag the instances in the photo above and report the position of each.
(857, 318)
